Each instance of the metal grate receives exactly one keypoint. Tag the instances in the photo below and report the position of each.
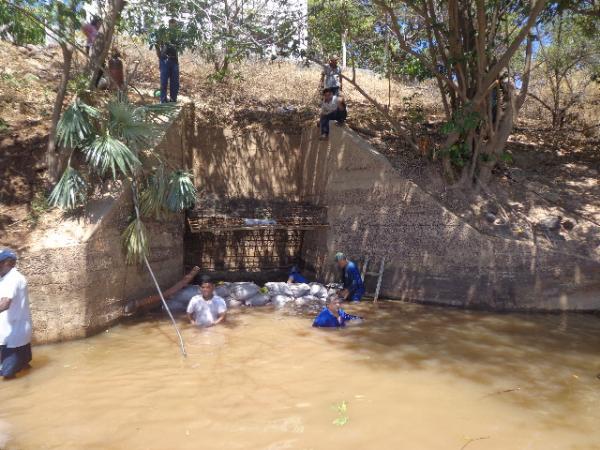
(233, 214)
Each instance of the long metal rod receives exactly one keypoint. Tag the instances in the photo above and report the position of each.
(181, 344)
(162, 298)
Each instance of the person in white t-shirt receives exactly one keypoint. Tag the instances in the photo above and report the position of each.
(207, 309)
(15, 317)
(333, 107)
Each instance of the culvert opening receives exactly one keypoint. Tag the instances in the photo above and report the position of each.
(247, 238)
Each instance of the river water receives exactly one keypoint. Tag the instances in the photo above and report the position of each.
(410, 377)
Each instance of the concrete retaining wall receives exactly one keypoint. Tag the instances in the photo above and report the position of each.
(433, 256)
(79, 289)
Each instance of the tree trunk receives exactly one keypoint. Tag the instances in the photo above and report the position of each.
(344, 48)
(104, 42)
(52, 156)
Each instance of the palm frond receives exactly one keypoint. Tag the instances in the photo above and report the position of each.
(167, 110)
(135, 242)
(181, 191)
(153, 197)
(105, 152)
(70, 191)
(76, 126)
(128, 124)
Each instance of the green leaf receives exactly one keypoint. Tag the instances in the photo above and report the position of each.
(154, 196)
(341, 421)
(106, 152)
(75, 126)
(181, 192)
(135, 242)
(69, 192)
(129, 125)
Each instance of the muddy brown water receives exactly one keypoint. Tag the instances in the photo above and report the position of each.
(411, 377)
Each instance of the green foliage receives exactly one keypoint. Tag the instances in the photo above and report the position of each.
(459, 154)
(135, 242)
(38, 207)
(115, 141)
(70, 192)
(105, 152)
(181, 193)
(342, 411)
(17, 26)
(463, 121)
(3, 125)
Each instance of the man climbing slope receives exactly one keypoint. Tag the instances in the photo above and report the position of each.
(354, 287)
(15, 317)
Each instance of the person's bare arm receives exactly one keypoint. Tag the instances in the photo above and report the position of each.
(220, 318)
(191, 317)
(344, 293)
(341, 81)
(341, 102)
(5, 303)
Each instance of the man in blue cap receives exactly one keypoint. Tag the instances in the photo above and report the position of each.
(354, 287)
(333, 316)
(295, 276)
(15, 317)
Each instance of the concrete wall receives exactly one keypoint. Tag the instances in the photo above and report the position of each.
(81, 288)
(433, 256)
(257, 162)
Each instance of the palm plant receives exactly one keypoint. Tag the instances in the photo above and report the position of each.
(116, 142)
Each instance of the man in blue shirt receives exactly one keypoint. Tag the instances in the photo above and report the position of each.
(354, 288)
(332, 315)
(295, 276)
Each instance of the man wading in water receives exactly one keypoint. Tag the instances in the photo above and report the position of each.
(207, 309)
(354, 287)
(15, 317)
(332, 315)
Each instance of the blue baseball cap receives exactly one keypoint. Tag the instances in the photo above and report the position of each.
(7, 254)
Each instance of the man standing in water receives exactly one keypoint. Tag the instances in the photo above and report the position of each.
(207, 309)
(332, 315)
(15, 317)
(354, 287)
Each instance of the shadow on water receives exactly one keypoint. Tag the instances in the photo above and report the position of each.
(541, 355)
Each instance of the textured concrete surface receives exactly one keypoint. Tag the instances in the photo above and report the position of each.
(433, 256)
(80, 289)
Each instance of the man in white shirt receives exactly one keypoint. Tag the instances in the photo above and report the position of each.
(331, 77)
(207, 309)
(15, 317)
(333, 107)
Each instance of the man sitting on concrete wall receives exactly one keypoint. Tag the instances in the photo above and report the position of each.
(207, 309)
(15, 317)
(332, 108)
(354, 287)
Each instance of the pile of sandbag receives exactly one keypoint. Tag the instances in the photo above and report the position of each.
(298, 294)
(245, 293)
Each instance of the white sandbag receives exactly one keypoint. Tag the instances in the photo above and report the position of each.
(300, 301)
(233, 303)
(243, 291)
(318, 290)
(178, 302)
(299, 289)
(281, 288)
(223, 290)
(311, 299)
(281, 300)
(258, 300)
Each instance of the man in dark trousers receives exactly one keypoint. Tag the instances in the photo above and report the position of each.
(167, 47)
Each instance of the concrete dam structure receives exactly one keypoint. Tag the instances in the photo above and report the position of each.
(432, 255)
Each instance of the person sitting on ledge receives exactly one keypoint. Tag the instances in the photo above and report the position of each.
(354, 288)
(296, 276)
(332, 108)
(207, 309)
(15, 317)
(332, 315)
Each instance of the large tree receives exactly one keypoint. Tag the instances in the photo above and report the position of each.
(468, 46)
